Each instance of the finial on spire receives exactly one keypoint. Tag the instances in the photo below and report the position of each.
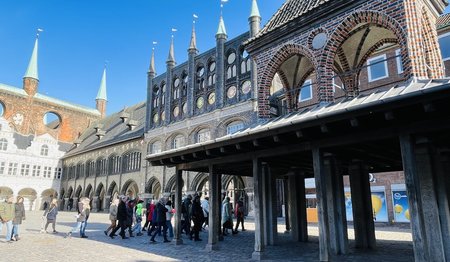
(193, 44)
(101, 95)
(221, 30)
(255, 10)
(171, 57)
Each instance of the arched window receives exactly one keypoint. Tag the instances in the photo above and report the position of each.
(90, 168)
(44, 150)
(114, 164)
(163, 94)
(234, 127)
(101, 166)
(178, 142)
(3, 144)
(132, 162)
(203, 135)
(154, 148)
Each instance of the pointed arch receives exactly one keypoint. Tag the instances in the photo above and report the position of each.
(199, 181)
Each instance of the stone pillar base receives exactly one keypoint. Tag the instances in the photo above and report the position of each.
(212, 247)
(178, 242)
(257, 255)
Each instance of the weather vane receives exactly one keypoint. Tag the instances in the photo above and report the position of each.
(39, 30)
(154, 44)
(221, 6)
(173, 31)
(194, 17)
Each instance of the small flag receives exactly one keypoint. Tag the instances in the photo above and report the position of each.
(40, 30)
(155, 43)
(195, 16)
(223, 1)
(174, 30)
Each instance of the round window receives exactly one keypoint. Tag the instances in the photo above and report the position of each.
(200, 102)
(212, 98)
(176, 83)
(52, 120)
(185, 108)
(163, 116)
(212, 67)
(176, 111)
(200, 71)
(155, 118)
(246, 87)
(231, 92)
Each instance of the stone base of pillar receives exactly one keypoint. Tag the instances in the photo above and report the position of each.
(212, 247)
(178, 242)
(257, 255)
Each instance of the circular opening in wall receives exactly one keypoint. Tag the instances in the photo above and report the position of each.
(2, 108)
(52, 120)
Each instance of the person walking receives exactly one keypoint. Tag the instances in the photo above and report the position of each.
(19, 216)
(186, 213)
(112, 216)
(87, 211)
(227, 219)
(130, 217)
(239, 212)
(160, 221)
(169, 215)
(138, 210)
(148, 215)
(50, 215)
(121, 218)
(81, 217)
(7, 212)
(205, 206)
(197, 218)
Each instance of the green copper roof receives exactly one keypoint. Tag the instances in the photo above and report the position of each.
(255, 9)
(102, 90)
(171, 57)
(32, 70)
(221, 30)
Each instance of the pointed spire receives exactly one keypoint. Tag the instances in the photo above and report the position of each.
(32, 70)
(152, 63)
(101, 95)
(221, 30)
(193, 44)
(255, 10)
(171, 57)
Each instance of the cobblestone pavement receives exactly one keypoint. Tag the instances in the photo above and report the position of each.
(394, 244)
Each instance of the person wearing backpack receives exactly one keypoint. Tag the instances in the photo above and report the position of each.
(239, 212)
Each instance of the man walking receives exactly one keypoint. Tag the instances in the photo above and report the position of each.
(7, 212)
(239, 212)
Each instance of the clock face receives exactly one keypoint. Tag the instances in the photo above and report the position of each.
(246, 87)
(163, 115)
(200, 102)
(231, 58)
(184, 108)
(155, 118)
(176, 111)
(231, 92)
(212, 98)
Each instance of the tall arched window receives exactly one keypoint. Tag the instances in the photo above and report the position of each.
(3, 144)
(234, 127)
(114, 164)
(132, 162)
(154, 148)
(178, 141)
(44, 150)
(203, 135)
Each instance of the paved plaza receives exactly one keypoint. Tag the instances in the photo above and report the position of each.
(394, 244)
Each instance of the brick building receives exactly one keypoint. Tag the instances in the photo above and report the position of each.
(36, 131)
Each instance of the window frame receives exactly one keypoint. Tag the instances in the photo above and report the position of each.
(235, 123)
(398, 60)
(440, 48)
(386, 70)
(308, 84)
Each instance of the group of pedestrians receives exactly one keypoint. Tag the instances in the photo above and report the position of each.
(12, 213)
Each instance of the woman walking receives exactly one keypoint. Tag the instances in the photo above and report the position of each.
(169, 216)
(121, 218)
(197, 217)
(50, 214)
(19, 215)
(112, 216)
(81, 217)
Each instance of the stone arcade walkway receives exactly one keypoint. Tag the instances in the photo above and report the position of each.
(54, 247)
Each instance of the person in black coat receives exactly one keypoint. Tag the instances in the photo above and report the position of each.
(186, 213)
(160, 218)
(121, 217)
(198, 218)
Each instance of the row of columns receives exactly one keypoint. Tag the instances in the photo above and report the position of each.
(427, 182)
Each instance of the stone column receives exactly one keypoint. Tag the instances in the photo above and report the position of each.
(107, 203)
(270, 218)
(443, 197)
(297, 207)
(286, 207)
(214, 211)
(362, 206)
(95, 204)
(66, 203)
(75, 204)
(419, 169)
(259, 223)
(178, 189)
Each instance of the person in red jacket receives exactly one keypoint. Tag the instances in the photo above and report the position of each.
(149, 214)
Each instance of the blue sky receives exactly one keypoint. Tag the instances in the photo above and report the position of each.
(80, 35)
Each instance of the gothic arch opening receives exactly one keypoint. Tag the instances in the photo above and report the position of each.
(130, 189)
(153, 187)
